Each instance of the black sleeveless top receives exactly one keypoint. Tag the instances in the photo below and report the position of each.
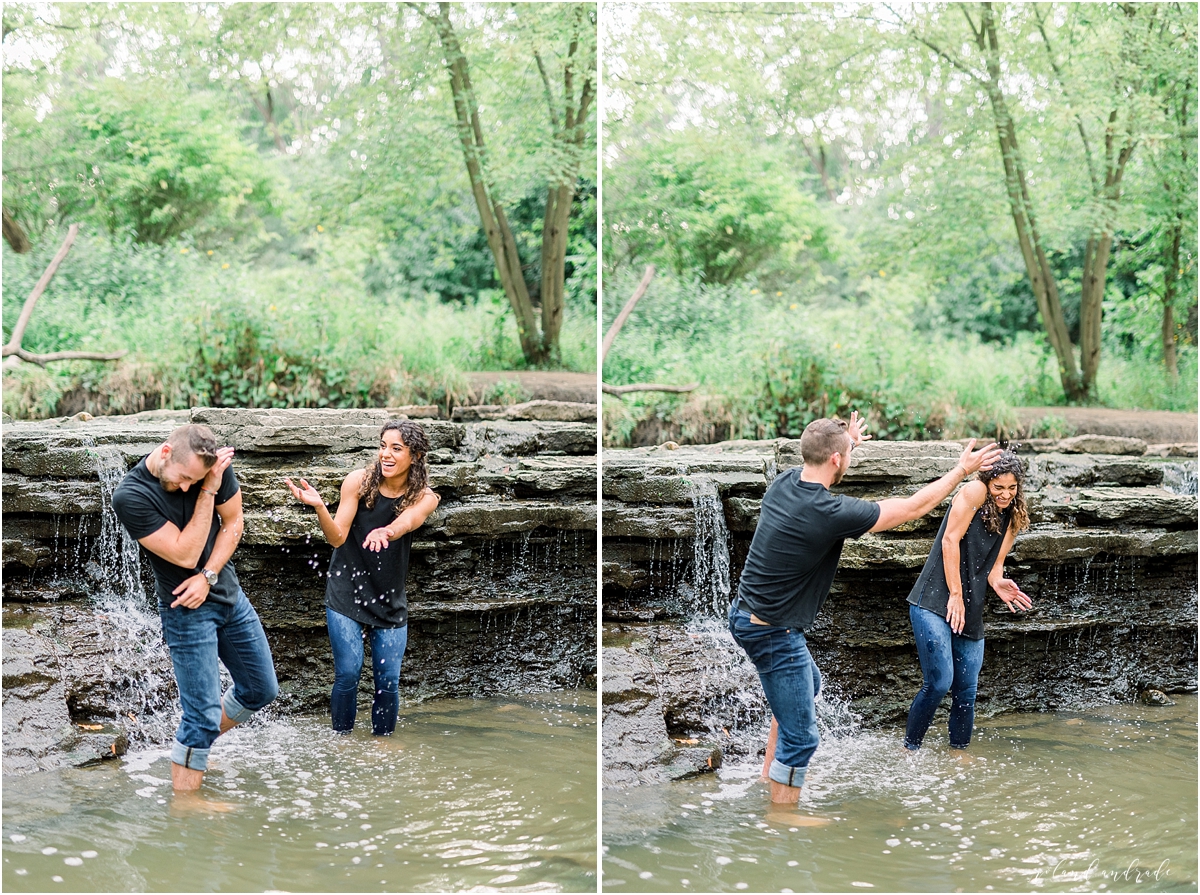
(977, 550)
(366, 586)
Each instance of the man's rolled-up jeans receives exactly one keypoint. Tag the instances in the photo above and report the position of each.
(791, 682)
(197, 638)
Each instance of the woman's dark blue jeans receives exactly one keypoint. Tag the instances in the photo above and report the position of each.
(950, 663)
(387, 653)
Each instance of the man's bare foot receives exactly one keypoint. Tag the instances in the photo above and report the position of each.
(188, 804)
(799, 820)
(786, 814)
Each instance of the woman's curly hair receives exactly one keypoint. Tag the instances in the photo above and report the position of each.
(417, 442)
(1008, 462)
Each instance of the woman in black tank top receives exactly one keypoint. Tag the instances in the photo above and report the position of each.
(371, 534)
(946, 603)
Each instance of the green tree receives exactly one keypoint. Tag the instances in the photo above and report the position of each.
(568, 30)
(716, 206)
(1096, 83)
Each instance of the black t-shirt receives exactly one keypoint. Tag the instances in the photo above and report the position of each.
(796, 547)
(144, 506)
(367, 586)
(977, 553)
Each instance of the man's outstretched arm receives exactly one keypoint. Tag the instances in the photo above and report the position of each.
(897, 510)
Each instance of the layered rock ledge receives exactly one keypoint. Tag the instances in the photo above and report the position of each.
(1109, 560)
(501, 585)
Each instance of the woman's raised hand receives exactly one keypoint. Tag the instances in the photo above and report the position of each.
(305, 493)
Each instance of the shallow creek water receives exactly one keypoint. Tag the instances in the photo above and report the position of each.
(1101, 799)
(486, 795)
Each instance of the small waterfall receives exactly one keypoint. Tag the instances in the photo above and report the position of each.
(117, 559)
(710, 551)
(140, 682)
(1179, 478)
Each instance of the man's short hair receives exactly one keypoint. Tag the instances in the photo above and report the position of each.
(821, 440)
(193, 439)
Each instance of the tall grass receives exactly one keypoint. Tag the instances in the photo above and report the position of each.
(221, 329)
(767, 365)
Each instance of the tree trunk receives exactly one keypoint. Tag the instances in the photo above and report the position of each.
(1041, 278)
(820, 162)
(561, 193)
(491, 214)
(15, 236)
(1091, 304)
(267, 111)
(554, 259)
(1170, 281)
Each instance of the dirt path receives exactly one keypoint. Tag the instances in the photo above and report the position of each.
(1153, 426)
(541, 384)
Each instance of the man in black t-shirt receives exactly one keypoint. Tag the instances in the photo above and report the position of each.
(790, 568)
(183, 504)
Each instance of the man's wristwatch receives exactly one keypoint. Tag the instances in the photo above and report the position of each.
(210, 576)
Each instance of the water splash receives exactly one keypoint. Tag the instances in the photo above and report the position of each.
(1180, 478)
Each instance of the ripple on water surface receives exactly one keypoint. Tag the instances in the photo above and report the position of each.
(1096, 800)
(467, 794)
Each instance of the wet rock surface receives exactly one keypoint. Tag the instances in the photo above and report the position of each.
(501, 584)
(1110, 562)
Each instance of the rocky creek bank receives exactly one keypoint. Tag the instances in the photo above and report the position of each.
(1110, 562)
(501, 585)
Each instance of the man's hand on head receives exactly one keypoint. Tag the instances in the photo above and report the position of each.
(212, 481)
(192, 592)
(975, 460)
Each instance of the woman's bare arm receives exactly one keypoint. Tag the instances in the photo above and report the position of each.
(962, 510)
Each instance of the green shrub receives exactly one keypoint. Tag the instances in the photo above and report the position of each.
(767, 369)
(222, 329)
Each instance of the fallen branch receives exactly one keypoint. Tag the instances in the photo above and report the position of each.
(13, 350)
(42, 359)
(18, 333)
(646, 387)
(626, 311)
